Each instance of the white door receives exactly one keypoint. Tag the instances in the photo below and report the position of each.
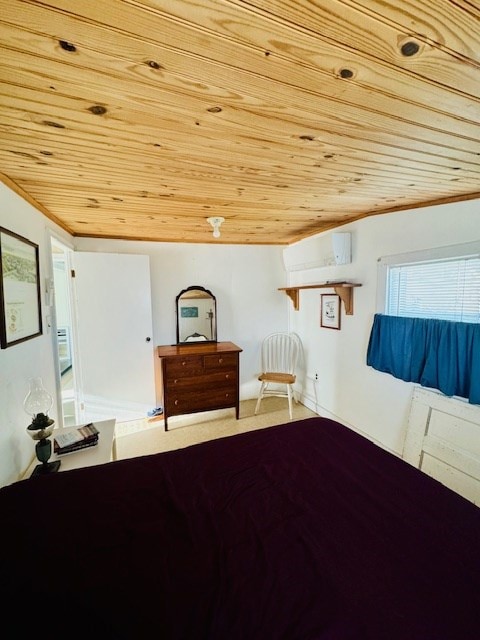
(115, 347)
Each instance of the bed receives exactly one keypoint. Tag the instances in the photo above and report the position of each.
(303, 531)
(443, 440)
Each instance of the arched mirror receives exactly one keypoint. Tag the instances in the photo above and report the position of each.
(196, 315)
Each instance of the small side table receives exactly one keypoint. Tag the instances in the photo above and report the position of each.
(104, 451)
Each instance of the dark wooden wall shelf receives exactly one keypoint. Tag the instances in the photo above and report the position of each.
(342, 289)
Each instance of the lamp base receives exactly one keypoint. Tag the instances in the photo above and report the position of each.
(45, 468)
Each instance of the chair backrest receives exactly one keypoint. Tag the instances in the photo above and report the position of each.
(280, 352)
(196, 337)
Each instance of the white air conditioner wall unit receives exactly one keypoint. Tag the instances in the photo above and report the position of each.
(306, 254)
(327, 250)
(342, 248)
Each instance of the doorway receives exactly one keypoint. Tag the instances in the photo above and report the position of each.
(103, 334)
(65, 336)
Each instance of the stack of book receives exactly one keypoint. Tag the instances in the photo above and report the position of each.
(79, 438)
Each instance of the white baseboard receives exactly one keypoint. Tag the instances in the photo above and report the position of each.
(99, 408)
(311, 404)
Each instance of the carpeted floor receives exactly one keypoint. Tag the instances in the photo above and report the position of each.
(143, 437)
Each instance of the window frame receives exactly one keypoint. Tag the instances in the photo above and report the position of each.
(467, 249)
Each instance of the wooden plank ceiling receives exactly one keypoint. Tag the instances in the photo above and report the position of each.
(140, 119)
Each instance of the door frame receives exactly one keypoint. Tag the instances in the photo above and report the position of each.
(68, 251)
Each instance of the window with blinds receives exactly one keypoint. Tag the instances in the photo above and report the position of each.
(445, 289)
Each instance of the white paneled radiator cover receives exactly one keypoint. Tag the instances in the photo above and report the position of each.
(443, 440)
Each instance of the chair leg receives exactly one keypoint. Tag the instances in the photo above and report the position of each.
(289, 393)
(260, 396)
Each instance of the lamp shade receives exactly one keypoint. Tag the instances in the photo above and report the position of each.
(37, 400)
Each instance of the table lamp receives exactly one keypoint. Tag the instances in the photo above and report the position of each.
(37, 404)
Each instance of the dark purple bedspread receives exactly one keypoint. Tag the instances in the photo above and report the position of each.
(298, 532)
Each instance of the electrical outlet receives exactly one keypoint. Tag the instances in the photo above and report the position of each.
(316, 376)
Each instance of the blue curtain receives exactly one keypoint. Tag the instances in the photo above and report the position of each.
(439, 354)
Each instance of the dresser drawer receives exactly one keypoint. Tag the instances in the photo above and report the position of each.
(221, 361)
(204, 400)
(194, 383)
(184, 366)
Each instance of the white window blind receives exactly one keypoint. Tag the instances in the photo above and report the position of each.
(447, 289)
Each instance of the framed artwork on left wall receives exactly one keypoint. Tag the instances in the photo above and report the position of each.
(20, 310)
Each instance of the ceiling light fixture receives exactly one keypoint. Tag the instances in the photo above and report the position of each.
(216, 221)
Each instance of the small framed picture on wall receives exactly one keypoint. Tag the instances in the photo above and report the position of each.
(330, 311)
(20, 313)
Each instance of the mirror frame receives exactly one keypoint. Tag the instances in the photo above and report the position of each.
(214, 304)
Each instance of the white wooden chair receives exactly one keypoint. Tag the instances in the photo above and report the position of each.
(280, 353)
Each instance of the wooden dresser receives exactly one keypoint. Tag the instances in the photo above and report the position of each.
(198, 377)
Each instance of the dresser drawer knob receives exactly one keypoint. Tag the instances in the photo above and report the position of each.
(176, 403)
(227, 376)
(184, 363)
(220, 360)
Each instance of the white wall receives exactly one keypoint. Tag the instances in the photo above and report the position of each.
(60, 275)
(34, 357)
(243, 279)
(374, 403)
